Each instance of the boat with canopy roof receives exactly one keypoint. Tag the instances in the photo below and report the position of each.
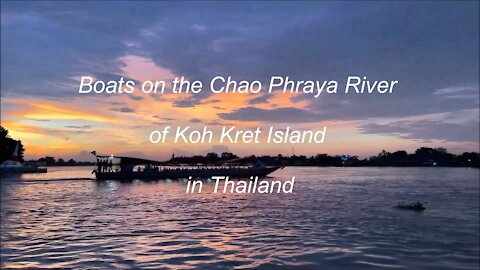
(131, 168)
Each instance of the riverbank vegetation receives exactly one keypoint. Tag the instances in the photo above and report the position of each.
(7, 146)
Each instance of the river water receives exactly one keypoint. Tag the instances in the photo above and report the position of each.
(336, 218)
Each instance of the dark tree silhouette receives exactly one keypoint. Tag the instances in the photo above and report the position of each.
(7, 146)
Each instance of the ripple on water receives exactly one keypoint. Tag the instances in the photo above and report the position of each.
(336, 217)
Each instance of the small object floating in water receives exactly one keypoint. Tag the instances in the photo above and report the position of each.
(417, 206)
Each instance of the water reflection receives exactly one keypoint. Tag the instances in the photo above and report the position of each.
(336, 217)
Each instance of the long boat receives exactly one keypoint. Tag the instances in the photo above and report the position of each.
(129, 168)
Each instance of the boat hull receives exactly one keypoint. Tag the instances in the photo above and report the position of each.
(185, 173)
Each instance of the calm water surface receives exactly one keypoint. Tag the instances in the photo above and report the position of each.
(336, 218)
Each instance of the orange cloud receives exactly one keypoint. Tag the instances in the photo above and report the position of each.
(57, 111)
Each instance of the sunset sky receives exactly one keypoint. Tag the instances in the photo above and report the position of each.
(432, 49)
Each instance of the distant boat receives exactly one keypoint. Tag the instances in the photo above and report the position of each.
(417, 206)
(129, 168)
(14, 166)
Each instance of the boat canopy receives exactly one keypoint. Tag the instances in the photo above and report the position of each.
(139, 161)
(192, 160)
(250, 159)
(195, 160)
(132, 160)
(209, 160)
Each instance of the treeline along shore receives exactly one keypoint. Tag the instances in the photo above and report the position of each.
(422, 157)
(51, 161)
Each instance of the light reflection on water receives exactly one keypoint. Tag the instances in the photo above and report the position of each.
(336, 217)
